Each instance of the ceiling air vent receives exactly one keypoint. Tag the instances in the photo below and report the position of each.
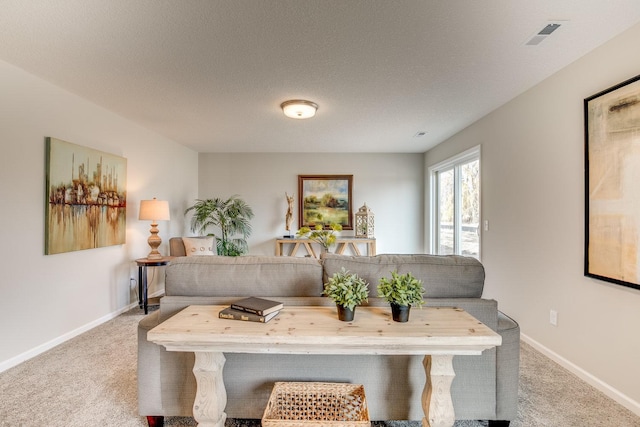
(543, 34)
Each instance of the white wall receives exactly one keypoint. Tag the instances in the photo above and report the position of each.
(47, 299)
(392, 185)
(533, 196)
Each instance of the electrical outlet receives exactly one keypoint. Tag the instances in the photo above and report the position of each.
(553, 317)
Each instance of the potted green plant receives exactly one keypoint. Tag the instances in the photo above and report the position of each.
(231, 216)
(401, 291)
(347, 290)
(325, 237)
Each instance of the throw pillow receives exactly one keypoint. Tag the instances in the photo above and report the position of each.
(194, 246)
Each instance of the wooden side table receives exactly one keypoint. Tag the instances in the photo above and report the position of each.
(342, 243)
(143, 263)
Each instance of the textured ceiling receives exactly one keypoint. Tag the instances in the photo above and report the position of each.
(211, 74)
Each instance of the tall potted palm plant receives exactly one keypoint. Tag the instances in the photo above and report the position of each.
(231, 216)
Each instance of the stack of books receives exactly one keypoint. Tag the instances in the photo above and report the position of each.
(252, 309)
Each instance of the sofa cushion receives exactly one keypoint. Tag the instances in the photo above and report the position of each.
(443, 276)
(194, 246)
(243, 276)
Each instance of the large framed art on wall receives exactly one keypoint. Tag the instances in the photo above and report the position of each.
(86, 198)
(325, 199)
(612, 184)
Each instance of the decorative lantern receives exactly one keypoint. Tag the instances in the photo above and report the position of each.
(364, 222)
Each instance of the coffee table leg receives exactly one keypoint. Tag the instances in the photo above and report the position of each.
(436, 397)
(211, 396)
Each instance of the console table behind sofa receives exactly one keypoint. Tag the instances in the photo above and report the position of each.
(342, 243)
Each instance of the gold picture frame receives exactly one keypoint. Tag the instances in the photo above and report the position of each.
(325, 199)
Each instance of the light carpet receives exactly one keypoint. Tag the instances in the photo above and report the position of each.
(90, 380)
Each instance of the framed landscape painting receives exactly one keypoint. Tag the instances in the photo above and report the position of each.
(325, 199)
(612, 184)
(86, 198)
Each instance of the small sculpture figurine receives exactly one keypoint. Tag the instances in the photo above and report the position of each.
(289, 215)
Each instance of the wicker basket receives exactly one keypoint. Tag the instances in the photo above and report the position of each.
(294, 404)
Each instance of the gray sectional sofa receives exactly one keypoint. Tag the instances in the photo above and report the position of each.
(485, 387)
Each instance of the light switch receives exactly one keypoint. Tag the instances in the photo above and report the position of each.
(553, 317)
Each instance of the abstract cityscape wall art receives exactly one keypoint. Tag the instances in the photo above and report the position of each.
(612, 184)
(86, 198)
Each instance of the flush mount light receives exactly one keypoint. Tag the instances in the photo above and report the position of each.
(299, 109)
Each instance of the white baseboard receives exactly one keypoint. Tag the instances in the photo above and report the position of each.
(14, 361)
(605, 388)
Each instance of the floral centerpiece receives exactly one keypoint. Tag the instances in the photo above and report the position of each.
(325, 237)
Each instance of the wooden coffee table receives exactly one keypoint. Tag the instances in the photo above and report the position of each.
(437, 333)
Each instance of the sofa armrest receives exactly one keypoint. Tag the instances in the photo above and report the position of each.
(176, 247)
(507, 368)
(149, 322)
(149, 368)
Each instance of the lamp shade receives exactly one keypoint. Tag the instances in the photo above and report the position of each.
(154, 210)
(299, 109)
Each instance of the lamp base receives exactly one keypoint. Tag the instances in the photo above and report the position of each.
(154, 241)
(154, 255)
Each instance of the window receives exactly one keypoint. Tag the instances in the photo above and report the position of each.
(455, 205)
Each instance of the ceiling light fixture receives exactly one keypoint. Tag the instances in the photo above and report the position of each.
(299, 109)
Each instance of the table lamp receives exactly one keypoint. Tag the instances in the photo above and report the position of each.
(154, 210)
